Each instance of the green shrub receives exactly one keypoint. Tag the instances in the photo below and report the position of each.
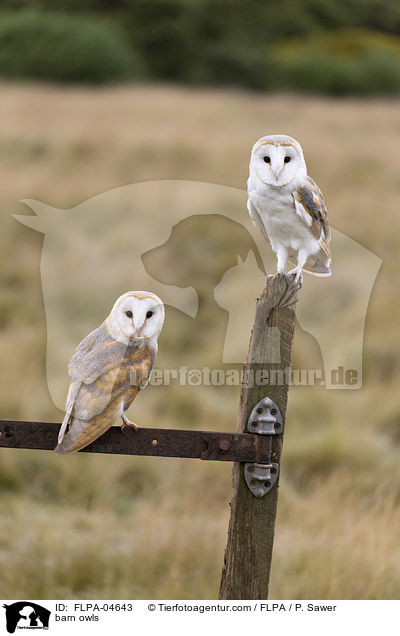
(64, 48)
(161, 31)
(224, 63)
(340, 63)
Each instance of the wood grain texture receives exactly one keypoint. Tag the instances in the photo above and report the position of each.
(248, 554)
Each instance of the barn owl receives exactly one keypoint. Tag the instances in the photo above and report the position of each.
(288, 207)
(109, 368)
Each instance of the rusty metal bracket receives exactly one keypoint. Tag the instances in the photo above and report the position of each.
(159, 442)
(265, 420)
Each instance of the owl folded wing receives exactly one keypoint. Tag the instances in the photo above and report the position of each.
(94, 369)
(310, 206)
(256, 218)
(95, 355)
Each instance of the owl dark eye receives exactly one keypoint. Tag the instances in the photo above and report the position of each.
(287, 159)
(129, 314)
(149, 314)
(267, 159)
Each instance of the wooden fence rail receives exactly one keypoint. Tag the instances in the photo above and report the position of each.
(248, 553)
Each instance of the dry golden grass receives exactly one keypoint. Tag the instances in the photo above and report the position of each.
(119, 527)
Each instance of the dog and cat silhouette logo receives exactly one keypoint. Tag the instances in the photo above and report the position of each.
(26, 615)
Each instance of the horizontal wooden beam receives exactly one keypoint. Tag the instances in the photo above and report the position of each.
(159, 442)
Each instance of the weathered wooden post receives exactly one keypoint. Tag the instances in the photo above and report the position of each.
(248, 554)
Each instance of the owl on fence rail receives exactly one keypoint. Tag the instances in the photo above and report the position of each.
(109, 368)
(288, 206)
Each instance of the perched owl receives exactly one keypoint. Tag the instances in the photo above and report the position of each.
(288, 207)
(108, 369)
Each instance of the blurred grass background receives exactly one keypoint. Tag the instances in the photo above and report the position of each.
(120, 527)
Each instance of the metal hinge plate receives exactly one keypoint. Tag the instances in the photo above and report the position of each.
(260, 478)
(265, 418)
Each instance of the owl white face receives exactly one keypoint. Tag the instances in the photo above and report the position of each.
(277, 160)
(136, 314)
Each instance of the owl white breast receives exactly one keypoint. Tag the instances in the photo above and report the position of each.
(288, 207)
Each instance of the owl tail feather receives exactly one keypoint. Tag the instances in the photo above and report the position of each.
(81, 434)
(64, 427)
(318, 264)
(71, 397)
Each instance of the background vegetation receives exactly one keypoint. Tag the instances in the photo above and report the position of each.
(339, 48)
(119, 527)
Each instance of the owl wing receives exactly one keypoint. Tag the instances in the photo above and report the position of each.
(310, 206)
(94, 406)
(85, 402)
(93, 369)
(96, 354)
(256, 218)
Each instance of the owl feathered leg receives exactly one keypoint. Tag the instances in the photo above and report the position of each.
(298, 271)
(127, 423)
(282, 255)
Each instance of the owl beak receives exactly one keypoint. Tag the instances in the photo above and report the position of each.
(138, 332)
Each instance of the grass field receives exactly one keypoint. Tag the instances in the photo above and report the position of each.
(119, 527)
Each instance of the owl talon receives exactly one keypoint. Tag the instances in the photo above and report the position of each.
(126, 423)
(297, 277)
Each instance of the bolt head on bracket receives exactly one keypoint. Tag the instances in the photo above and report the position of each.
(265, 418)
(260, 478)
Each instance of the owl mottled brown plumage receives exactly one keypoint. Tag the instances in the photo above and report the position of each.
(109, 368)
